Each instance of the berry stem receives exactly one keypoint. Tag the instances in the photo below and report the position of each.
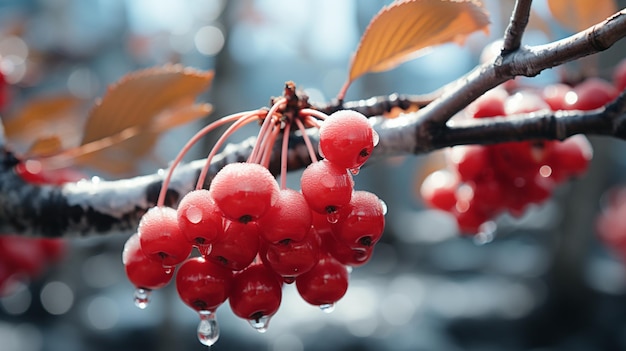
(227, 133)
(312, 112)
(201, 133)
(307, 140)
(283, 157)
(263, 133)
(267, 147)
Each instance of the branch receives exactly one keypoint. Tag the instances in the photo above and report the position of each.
(517, 26)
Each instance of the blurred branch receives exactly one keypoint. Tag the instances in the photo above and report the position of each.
(107, 207)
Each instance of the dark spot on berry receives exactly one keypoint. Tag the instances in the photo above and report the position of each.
(162, 255)
(223, 260)
(364, 153)
(284, 242)
(331, 209)
(366, 241)
(245, 219)
(200, 305)
(289, 280)
(200, 241)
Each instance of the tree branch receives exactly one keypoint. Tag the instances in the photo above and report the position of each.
(517, 26)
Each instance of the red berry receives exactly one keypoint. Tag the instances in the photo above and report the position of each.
(199, 218)
(491, 104)
(291, 259)
(343, 253)
(160, 237)
(289, 218)
(257, 293)
(593, 93)
(558, 95)
(244, 191)
(362, 222)
(346, 139)
(469, 160)
(619, 76)
(238, 247)
(143, 272)
(203, 285)
(33, 172)
(325, 284)
(570, 157)
(326, 186)
(24, 255)
(438, 189)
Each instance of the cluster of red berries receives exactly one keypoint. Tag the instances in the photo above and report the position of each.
(252, 235)
(24, 259)
(481, 182)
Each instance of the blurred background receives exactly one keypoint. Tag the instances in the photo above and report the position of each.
(546, 282)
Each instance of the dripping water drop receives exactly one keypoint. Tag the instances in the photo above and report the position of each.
(327, 308)
(260, 324)
(142, 297)
(208, 329)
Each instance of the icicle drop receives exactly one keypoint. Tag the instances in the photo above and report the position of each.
(142, 298)
(327, 308)
(375, 137)
(260, 324)
(208, 329)
(332, 217)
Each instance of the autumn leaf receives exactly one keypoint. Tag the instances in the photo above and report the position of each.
(139, 97)
(402, 30)
(45, 117)
(577, 15)
(124, 126)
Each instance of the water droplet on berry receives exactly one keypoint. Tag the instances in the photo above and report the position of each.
(193, 214)
(383, 205)
(168, 269)
(349, 269)
(260, 324)
(208, 329)
(142, 297)
(327, 308)
(355, 171)
(375, 137)
(332, 217)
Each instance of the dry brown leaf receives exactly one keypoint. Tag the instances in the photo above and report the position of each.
(577, 15)
(136, 99)
(126, 124)
(402, 30)
(43, 116)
